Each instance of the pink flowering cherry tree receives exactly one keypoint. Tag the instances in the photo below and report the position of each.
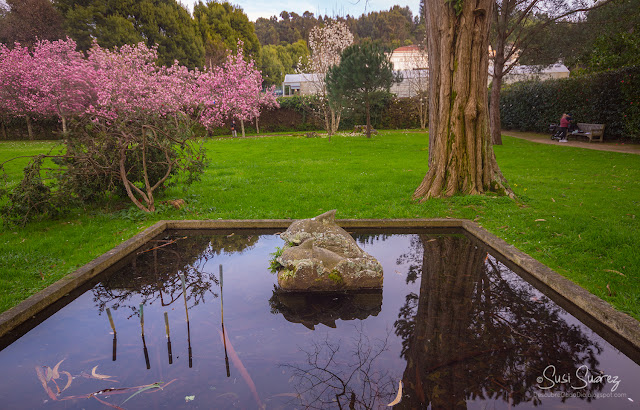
(235, 90)
(133, 119)
(17, 87)
(63, 78)
(139, 127)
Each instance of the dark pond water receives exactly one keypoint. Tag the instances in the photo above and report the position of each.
(454, 324)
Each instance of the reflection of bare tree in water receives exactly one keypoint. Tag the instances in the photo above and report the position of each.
(332, 378)
(475, 332)
(155, 274)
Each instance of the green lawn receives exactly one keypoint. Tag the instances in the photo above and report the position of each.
(577, 210)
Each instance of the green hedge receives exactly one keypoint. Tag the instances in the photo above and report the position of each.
(611, 98)
(295, 114)
(43, 128)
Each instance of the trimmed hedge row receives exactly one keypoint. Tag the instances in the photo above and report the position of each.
(295, 114)
(611, 98)
(42, 128)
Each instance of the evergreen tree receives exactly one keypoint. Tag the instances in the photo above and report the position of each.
(271, 66)
(220, 26)
(118, 22)
(363, 70)
(612, 37)
(275, 61)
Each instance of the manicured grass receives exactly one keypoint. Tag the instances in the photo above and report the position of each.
(577, 209)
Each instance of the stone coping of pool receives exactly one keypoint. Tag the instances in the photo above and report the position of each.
(623, 325)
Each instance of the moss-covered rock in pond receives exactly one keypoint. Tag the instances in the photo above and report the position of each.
(324, 257)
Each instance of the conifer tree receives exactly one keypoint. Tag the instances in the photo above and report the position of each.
(119, 22)
(363, 70)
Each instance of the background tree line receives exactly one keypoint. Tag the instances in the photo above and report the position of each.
(196, 39)
(603, 38)
(392, 28)
(590, 41)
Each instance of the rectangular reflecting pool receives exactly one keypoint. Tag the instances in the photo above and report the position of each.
(195, 320)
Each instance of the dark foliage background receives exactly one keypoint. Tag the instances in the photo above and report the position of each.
(296, 113)
(610, 97)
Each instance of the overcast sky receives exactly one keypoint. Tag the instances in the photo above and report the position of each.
(268, 8)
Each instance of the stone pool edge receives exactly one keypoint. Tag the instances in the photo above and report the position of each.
(622, 324)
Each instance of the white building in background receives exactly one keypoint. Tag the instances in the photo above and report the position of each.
(414, 82)
(301, 84)
(412, 63)
(409, 58)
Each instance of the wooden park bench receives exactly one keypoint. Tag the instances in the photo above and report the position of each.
(594, 132)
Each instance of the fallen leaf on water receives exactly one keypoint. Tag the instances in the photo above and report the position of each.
(157, 385)
(98, 376)
(540, 220)
(189, 398)
(41, 377)
(49, 373)
(398, 397)
(56, 375)
(69, 379)
(614, 271)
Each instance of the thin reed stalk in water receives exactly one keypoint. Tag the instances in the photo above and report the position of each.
(144, 343)
(115, 338)
(142, 319)
(224, 341)
(113, 326)
(166, 326)
(184, 294)
(186, 310)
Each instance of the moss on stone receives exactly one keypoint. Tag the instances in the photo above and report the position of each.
(336, 277)
(287, 274)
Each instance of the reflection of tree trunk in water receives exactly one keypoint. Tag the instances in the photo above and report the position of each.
(452, 267)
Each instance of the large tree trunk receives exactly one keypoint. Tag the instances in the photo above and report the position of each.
(461, 158)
